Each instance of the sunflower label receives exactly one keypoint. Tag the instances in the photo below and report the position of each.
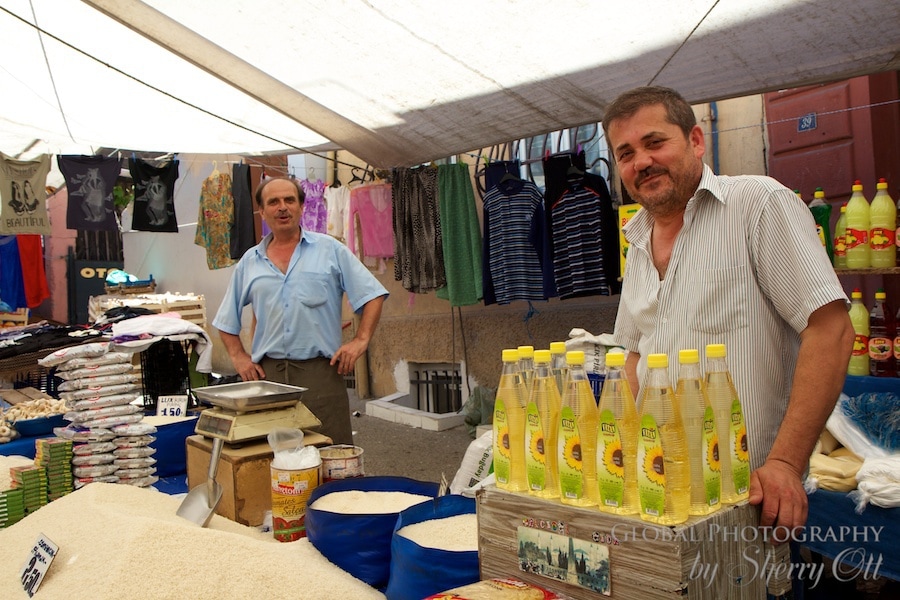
(501, 444)
(571, 474)
(535, 460)
(711, 477)
(651, 468)
(740, 452)
(610, 461)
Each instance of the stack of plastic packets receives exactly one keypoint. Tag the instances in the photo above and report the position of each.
(55, 456)
(32, 480)
(101, 393)
(12, 507)
(134, 455)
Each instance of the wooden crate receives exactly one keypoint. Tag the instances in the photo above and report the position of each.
(708, 558)
(191, 307)
(243, 473)
(14, 319)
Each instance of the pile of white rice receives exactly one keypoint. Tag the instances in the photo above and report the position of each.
(458, 533)
(359, 502)
(119, 541)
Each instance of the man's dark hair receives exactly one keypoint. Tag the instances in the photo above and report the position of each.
(678, 111)
(301, 196)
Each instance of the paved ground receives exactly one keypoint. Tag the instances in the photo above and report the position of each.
(397, 449)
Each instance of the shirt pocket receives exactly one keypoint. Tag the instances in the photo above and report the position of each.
(312, 290)
(720, 299)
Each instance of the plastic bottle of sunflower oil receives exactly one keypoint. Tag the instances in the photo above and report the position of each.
(577, 439)
(700, 429)
(558, 364)
(541, 416)
(509, 426)
(663, 473)
(734, 453)
(617, 441)
(526, 366)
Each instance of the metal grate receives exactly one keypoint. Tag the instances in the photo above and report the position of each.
(436, 390)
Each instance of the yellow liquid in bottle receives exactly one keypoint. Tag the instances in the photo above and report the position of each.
(509, 431)
(702, 440)
(577, 440)
(617, 446)
(733, 452)
(663, 473)
(542, 414)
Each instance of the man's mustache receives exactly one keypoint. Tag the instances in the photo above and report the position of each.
(648, 172)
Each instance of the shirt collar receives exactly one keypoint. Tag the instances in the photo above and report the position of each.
(267, 239)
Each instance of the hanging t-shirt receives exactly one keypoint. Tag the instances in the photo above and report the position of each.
(12, 286)
(90, 181)
(512, 266)
(371, 204)
(214, 217)
(154, 196)
(23, 195)
(243, 235)
(34, 277)
(315, 214)
(337, 202)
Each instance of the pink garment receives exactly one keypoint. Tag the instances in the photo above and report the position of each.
(315, 214)
(371, 204)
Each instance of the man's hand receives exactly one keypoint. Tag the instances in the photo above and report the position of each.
(346, 356)
(247, 369)
(776, 486)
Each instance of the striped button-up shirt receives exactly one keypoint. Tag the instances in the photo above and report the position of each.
(747, 270)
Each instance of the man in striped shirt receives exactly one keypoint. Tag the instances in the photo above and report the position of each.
(733, 260)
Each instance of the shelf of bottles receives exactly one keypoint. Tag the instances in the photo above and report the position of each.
(886, 271)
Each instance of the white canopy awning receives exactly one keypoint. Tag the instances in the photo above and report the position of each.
(395, 82)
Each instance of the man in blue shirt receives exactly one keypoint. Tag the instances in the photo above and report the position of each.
(294, 281)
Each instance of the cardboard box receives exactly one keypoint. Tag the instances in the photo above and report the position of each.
(721, 555)
(243, 473)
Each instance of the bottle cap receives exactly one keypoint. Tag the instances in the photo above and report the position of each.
(689, 356)
(575, 357)
(857, 186)
(657, 360)
(856, 293)
(882, 184)
(526, 351)
(557, 347)
(615, 359)
(880, 295)
(541, 356)
(844, 207)
(715, 351)
(819, 193)
(510, 355)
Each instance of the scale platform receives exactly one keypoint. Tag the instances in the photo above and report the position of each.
(249, 410)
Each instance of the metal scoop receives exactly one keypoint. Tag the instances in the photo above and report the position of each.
(200, 503)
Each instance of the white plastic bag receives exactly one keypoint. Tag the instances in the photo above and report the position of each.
(594, 347)
(878, 483)
(476, 463)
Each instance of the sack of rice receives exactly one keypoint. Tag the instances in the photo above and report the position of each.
(360, 542)
(498, 589)
(425, 554)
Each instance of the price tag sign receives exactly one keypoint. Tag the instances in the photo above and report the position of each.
(39, 559)
(172, 406)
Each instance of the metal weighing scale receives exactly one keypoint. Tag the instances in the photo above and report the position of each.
(249, 410)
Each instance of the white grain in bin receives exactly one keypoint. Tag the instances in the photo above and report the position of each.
(119, 541)
(362, 502)
(458, 533)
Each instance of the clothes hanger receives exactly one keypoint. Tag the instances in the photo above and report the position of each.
(509, 177)
(356, 176)
(215, 171)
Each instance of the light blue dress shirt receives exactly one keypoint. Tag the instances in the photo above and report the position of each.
(298, 313)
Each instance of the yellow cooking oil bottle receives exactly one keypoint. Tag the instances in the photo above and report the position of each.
(663, 474)
(558, 365)
(734, 457)
(700, 429)
(541, 415)
(577, 439)
(509, 426)
(526, 366)
(617, 441)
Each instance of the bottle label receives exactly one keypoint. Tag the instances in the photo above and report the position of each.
(502, 451)
(840, 247)
(535, 459)
(881, 238)
(897, 347)
(712, 478)
(651, 468)
(821, 232)
(880, 348)
(861, 345)
(855, 237)
(610, 461)
(571, 473)
(740, 450)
